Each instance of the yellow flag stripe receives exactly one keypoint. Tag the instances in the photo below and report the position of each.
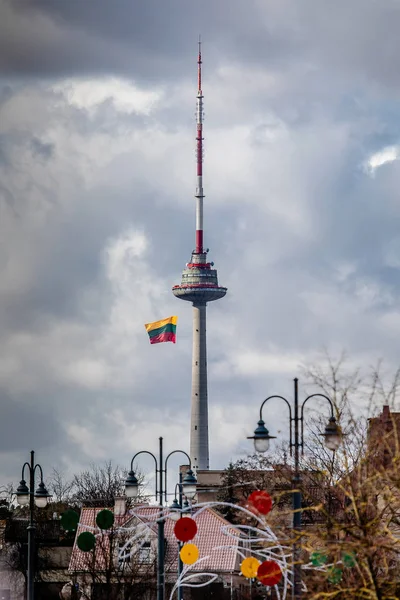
(162, 323)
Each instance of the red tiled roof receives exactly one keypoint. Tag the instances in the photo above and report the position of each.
(212, 532)
(83, 561)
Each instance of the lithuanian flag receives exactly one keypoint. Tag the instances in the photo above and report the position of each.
(162, 331)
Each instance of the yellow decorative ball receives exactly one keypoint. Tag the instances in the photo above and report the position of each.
(189, 554)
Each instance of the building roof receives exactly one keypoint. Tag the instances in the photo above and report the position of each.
(82, 561)
(213, 533)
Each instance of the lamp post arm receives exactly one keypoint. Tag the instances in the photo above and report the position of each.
(23, 469)
(302, 412)
(290, 415)
(155, 462)
(144, 452)
(175, 452)
(165, 465)
(37, 466)
(178, 492)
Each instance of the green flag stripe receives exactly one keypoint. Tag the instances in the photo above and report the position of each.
(169, 328)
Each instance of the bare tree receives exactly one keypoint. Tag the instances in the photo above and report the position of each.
(99, 485)
(60, 487)
(366, 481)
(351, 498)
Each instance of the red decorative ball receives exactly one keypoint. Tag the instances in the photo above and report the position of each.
(261, 501)
(185, 529)
(269, 573)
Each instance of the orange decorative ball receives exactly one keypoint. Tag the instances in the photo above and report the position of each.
(249, 567)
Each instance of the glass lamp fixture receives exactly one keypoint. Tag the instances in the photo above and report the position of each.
(22, 493)
(261, 437)
(189, 485)
(175, 510)
(41, 496)
(332, 435)
(131, 485)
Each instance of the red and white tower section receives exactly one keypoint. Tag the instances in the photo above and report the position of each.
(199, 286)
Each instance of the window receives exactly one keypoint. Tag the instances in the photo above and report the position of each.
(144, 553)
(124, 554)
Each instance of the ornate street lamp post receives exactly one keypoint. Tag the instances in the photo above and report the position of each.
(261, 439)
(29, 496)
(189, 489)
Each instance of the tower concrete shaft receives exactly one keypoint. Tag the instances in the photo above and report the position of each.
(199, 445)
(199, 285)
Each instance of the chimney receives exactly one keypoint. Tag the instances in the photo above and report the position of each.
(385, 416)
(120, 506)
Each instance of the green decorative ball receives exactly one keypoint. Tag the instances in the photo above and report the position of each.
(69, 520)
(318, 558)
(86, 541)
(105, 519)
(335, 575)
(349, 559)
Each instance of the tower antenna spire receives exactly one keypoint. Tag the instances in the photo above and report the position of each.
(199, 66)
(199, 156)
(199, 285)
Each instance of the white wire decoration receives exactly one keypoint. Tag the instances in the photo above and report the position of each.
(246, 541)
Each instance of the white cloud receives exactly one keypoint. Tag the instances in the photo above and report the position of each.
(378, 159)
(390, 321)
(122, 254)
(95, 356)
(86, 373)
(88, 441)
(126, 97)
(250, 363)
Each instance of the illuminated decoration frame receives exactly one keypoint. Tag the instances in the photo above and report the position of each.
(277, 553)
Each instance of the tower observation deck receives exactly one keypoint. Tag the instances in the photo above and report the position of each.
(199, 286)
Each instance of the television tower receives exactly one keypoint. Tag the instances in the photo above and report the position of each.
(199, 285)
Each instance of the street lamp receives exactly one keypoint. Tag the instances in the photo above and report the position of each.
(189, 489)
(175, 509)
(39, 498)
(261, 437)
(332, 435)
(178, 509)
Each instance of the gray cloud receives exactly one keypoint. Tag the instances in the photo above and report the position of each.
(141, 40)
(42, 149)
(29, 429)
(151, 41)
(97, 212)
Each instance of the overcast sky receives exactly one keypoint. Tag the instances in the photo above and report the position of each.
(97, 177)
